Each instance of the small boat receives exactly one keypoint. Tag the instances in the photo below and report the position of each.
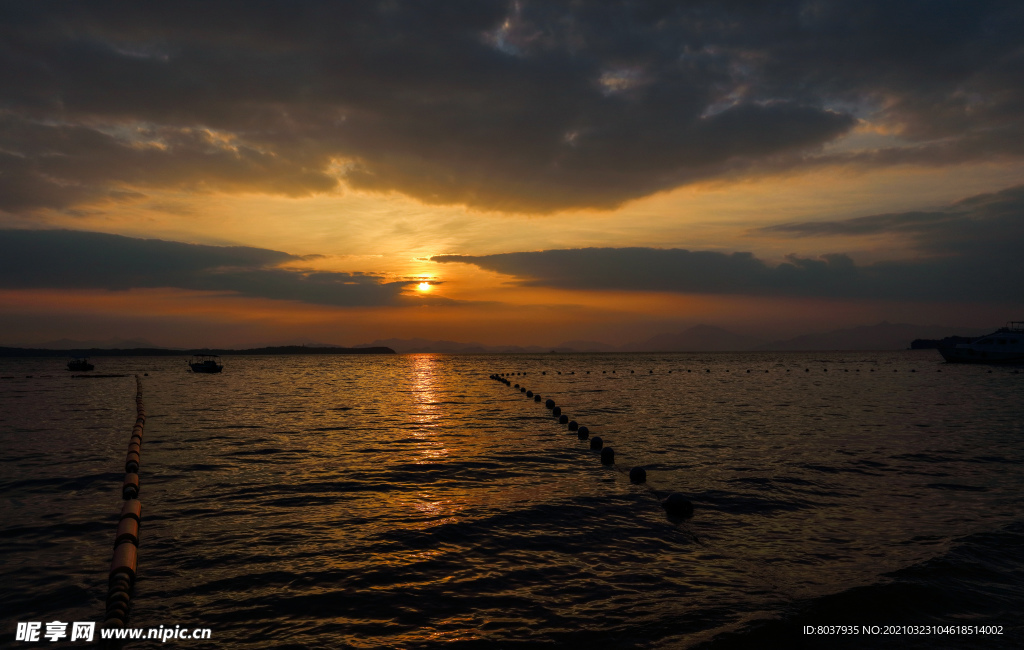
(205, 363)
(1005, 345)
(80, 365)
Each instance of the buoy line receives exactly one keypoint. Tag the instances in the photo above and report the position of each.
(678, 508)
(123, 566)
(676, 505)
(748, 371)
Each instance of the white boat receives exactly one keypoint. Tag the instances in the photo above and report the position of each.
(205, 363)
(1005, 345)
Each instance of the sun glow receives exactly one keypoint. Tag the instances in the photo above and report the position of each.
(423, 286)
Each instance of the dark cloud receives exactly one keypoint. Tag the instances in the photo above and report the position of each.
(705, 272)
(65, 259)
(987, 228)
(970, 250)
(512, 106)
(58, 165)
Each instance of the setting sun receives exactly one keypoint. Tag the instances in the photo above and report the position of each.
(423, 286)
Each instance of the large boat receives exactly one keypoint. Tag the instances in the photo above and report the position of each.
(205, 363)
(1005, 345)
(80, 365)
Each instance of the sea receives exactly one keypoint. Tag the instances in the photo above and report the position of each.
(841, 500)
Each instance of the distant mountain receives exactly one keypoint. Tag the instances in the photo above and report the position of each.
(302, 341)
(883, 336)
(586, 346)
(109, 344)
(418, 345)
(699, 338)
(406, 346)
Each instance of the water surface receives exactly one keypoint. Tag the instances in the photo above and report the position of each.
(410, 501)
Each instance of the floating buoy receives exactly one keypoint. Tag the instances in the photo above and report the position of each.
(130, 487)
(131, 462)
(127, 531)
(544, 372)
(678, 505)
(132, 508)
(607, 456)
(596, 443)
(573, 425)
(550, 404)
(522, 390)
(562, 419)
(583, 433)
(536, 397)
(118, 597)
(556, 411)
(638, 475)
(120, 581)
(117, 603)
(126, 560)
(516, 386)
(529, 393)
(631, 372)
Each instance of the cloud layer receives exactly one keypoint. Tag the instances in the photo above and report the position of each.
(65, 259)
(525, 106)
(969, 251)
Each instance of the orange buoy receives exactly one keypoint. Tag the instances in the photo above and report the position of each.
(130, 488)
(132, 508)
(127, 531)
(126, 560)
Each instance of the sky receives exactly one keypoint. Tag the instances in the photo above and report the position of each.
(229, 174)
